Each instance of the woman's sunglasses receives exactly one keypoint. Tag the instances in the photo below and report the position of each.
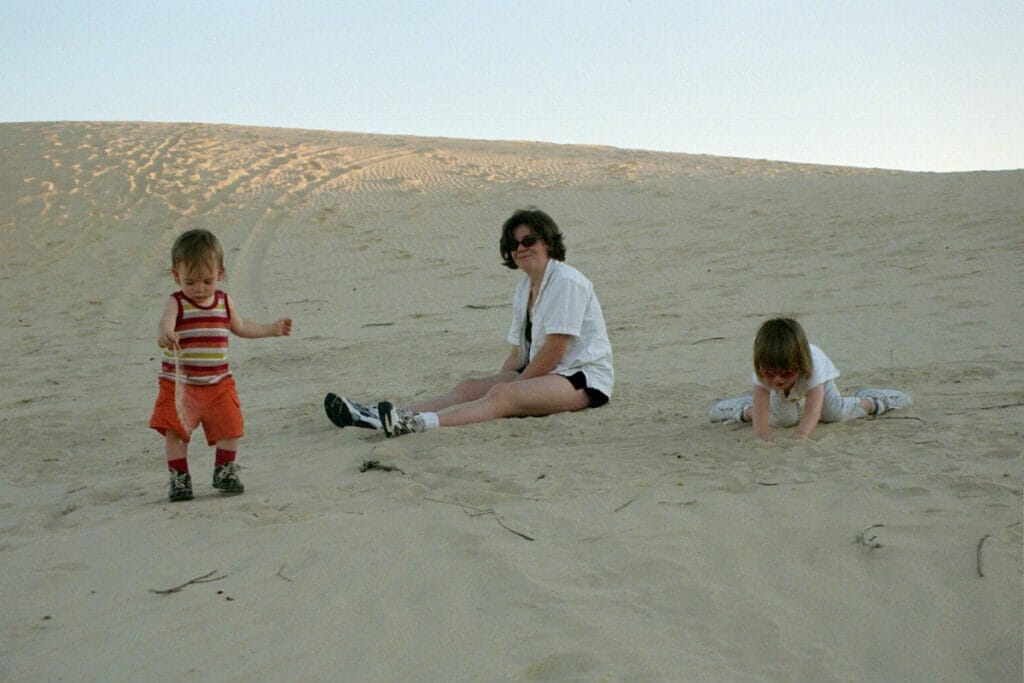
(527, 242)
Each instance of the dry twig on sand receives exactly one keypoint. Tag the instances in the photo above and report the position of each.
(1000, 406)
(981, 573)
(869, 542)
(626, 503)
(707, 339)
(376, 465)
(205, 578)
(477, 512)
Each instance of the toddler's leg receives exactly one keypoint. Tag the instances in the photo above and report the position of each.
(177, 451)
(225, 471)
(180, 486)
(839, 408)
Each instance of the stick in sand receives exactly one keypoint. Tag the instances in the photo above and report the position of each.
(980, 543)
(205, 578)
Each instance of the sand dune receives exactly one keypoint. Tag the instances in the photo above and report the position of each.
(660, 547)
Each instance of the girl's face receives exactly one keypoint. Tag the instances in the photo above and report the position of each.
(531, 250)
(199, 283)
(782, 380)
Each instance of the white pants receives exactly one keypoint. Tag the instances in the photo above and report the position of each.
(836, 408)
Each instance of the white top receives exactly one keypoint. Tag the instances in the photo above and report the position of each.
(566, 304)
(823, 369)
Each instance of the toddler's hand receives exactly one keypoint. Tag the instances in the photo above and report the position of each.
(283, 327)
(167, 340)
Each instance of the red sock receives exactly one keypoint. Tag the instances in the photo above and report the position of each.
(178, 465)
(222, 456)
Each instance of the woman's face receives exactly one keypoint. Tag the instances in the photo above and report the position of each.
(530, 249)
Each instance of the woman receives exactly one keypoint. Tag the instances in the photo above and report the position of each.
(560, 361)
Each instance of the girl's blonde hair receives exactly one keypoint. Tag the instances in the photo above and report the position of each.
(195, 248)
(781, 344)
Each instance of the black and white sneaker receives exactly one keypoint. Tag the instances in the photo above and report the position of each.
(397, 421)
(343, 412)
(180, 486)
(225, 478)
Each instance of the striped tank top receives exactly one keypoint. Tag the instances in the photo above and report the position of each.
(203, 337)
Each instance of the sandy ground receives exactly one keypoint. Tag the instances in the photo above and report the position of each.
(636, 542)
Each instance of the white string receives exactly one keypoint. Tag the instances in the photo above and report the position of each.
(179, 387)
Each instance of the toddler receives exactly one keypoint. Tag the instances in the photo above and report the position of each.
(789, 371)
(196, 386)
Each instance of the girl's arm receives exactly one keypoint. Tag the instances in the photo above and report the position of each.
(166, 337)
(251, 330)
(813, 400)
(759, 414)
(548, 356)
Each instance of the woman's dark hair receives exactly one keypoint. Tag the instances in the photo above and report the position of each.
(541, 225)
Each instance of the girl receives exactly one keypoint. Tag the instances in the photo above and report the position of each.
(788, 370)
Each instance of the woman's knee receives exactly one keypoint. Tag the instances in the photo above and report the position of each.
(469, 390)
(499, 393)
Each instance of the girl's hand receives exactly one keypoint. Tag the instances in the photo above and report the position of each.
(283, 327)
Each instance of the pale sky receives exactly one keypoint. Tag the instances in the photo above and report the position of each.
(924, 85)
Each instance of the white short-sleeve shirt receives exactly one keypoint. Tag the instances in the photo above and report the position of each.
(823, 369)
(566, 304)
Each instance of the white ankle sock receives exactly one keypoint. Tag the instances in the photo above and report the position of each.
(430, 420)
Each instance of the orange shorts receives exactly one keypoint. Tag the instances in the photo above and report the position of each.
(214, 407)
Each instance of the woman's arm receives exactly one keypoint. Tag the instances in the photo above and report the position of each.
(548, 356)
(512, 362)
(759, 414)
(813, 401)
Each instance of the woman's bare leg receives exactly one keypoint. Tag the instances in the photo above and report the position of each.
(464, 392)
(525, 398)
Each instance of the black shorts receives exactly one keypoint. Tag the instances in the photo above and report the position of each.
(579, 381)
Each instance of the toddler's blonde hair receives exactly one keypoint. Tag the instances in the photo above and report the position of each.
(196, 248)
